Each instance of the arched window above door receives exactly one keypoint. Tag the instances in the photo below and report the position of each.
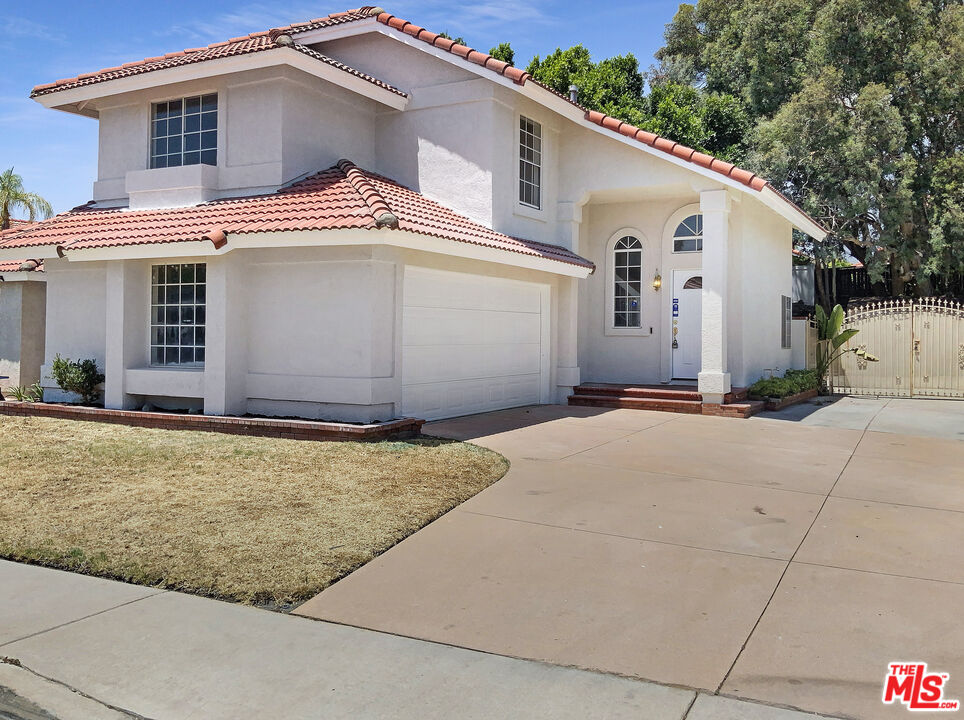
(688, 236)
(627, 263)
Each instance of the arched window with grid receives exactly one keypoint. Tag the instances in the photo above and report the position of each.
(688, 236)
(627, 282)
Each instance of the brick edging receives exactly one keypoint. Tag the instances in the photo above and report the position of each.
(258, 427)
(773, 404)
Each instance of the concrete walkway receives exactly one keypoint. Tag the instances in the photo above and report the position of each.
(81, 648)
(786, 562)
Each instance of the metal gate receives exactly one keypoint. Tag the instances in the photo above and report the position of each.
(920, 346)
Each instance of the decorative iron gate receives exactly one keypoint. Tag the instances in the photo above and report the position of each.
(920, 345)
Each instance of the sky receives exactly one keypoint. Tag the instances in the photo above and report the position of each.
(56, 152)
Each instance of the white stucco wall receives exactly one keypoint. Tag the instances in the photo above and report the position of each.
(274, 125)
(76, 316)
(766, 274)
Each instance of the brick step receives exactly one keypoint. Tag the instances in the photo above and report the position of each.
(739, 410)
(637, 403)
(735, 395)
(659, 392)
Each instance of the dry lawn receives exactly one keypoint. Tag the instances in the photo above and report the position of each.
(256, 520)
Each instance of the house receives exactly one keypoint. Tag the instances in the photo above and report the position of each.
(355, 218)
(22, 316)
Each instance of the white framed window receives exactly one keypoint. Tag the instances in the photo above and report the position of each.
(688, 235)
(627, 282)
(530, 163)
(178, 314)
(185, 132)
(786, 320)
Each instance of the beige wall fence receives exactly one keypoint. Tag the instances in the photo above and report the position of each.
(919, 344)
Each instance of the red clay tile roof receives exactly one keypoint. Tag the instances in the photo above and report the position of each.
(342, 197)
(264, 40)
(255, 42)
(9, 266)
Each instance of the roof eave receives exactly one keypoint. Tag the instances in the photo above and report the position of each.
(71, 99)
(327, 238)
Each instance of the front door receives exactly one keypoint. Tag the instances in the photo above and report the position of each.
(687, 323)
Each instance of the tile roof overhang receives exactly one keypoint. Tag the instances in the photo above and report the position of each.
(20, 267)
(736, 177)
(277, 42)
(343, 197)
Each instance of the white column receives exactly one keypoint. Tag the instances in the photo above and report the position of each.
(714, 380)
(122, 313)
(569, 217)
(225, 354)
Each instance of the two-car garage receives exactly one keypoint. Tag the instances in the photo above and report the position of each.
(472, 343)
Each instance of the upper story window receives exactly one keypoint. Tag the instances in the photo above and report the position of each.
(530, 163)
(185, 132)
(688, 236)
(627, 282)
(178, 309)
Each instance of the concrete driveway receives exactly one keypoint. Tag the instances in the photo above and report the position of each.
(787, 562)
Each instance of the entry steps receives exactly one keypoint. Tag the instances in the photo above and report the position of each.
(666, 398)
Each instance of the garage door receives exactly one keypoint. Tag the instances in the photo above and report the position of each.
(472, 343)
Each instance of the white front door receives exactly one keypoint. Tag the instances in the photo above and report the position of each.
(687, 323)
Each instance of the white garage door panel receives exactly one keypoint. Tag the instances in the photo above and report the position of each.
(449, 326)
(434, 363)
(471, 343)
(436, 288)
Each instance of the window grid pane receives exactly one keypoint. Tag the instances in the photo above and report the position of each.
(627, 283)
(530, 163)
(177, 314)
(688, 236)
(184, 132)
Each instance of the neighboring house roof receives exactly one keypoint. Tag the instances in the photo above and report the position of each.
(255, 42)
(267, 40)
(341, 197)
(10, 266)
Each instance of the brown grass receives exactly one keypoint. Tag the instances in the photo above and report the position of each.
(256, 520)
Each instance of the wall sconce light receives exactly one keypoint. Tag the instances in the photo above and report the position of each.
(657, 281)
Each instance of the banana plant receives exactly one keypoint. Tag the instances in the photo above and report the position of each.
(830, 338)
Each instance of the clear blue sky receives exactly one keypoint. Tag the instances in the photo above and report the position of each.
(56, 153)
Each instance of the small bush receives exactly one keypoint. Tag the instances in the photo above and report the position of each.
(793, 382)
(34, 393)
(81, 377)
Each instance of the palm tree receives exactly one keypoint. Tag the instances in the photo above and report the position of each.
(13, 195)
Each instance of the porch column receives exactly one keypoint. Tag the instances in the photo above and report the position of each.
(124, 310)
(225, 354)
(714, 380)
(569, 216)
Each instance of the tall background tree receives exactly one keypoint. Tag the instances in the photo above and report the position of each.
(856, 111)
(13, 196)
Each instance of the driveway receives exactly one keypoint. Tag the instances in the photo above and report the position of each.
(783, 561)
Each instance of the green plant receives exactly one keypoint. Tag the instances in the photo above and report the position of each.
(793, 382)
(81, 377)
(830, 338)
(22, 393)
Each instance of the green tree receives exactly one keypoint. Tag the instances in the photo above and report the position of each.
(710, 122)
(503, 52)
(13, 195)
(858, 111)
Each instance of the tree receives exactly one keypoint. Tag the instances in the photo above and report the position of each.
(709, 122)
(12, 195)
(503, 52)
(460, 40)
(858, 111)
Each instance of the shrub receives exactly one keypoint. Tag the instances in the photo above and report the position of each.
(792, 382)
(34, 393)
(81, 377)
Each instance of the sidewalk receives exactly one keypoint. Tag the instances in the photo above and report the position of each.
(96, 649)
